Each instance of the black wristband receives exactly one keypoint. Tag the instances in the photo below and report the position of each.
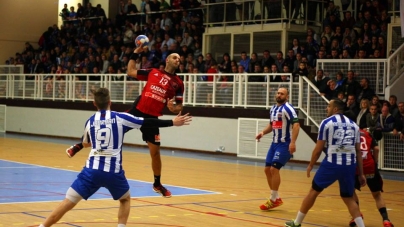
(154, 122)
(134, 56)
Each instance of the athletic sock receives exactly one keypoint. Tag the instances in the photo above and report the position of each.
(383, 212)
(121, 225)
(299, 218)
(359, 222)
(274, 195)
(157, 180)
(41, 225)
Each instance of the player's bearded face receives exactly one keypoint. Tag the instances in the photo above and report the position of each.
(280, 98)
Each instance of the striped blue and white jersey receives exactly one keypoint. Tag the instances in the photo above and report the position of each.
(105, 131)
(282, 118)
(341, 135)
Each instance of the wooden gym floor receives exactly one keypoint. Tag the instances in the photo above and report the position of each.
(208, 190)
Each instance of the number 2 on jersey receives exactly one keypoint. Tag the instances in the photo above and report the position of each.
(344, 137)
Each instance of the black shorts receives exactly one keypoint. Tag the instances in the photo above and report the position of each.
(373, 181)
(149, 134)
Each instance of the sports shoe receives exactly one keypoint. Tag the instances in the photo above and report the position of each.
(387, 223)
(71, 151)
(162, 190)
(269, 204)
(352, 222)
(292, 224)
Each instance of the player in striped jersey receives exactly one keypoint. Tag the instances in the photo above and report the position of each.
(339, 137)
(104, 133)
(283, 120)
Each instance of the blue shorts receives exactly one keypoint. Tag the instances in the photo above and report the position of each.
(90, 180)
(278, 153)
(328, 173)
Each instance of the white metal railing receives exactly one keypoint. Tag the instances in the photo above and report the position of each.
(395, 65)
(311, 103)
(237, 92)
(391, 156)
(372, 69)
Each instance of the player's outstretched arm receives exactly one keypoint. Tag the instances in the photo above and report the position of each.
(132, 70)
(181, 120)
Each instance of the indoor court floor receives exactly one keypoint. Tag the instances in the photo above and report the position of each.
(209, 190)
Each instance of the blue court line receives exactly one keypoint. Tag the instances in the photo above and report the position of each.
(22, 183)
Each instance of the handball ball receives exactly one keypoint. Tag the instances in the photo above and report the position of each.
(141, 40)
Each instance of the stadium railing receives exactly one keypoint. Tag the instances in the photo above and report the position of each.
(372, 69)
(312, 104)
(395, 65)
(236, 93)
(391, 156)
(239, 94)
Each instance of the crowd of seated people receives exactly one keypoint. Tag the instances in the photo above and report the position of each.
(375, 115)
(103, 46)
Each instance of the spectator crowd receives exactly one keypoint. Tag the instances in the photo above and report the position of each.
(90, 43)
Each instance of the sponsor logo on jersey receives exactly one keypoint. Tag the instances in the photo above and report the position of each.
(157, 138)
(158, 90)
(155, 97)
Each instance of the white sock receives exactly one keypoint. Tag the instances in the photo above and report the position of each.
(299, 218)
(274, 195)
(121, 225)
(41, 225)
(359, 222)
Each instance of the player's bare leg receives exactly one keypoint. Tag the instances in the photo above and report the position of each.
(353, 209)
(155, 158)
(156, 166)
(274, 180)
(58, 213)
(124, 209)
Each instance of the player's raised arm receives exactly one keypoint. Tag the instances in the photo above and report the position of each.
(141, 42)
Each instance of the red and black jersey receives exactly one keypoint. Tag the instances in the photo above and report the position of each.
(160, 86)
(367, 144)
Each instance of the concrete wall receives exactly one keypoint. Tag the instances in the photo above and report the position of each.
(204, 133)
(24, 21)
(396, 89)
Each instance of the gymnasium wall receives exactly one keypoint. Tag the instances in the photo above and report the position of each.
(204, 134)
(24, 21)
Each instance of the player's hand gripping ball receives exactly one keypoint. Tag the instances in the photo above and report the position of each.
(141, 40)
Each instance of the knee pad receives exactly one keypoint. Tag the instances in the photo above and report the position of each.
(73, 196)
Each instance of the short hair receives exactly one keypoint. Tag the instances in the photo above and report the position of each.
(287, 90)
(393, 96)
(339, 104)
(101, 98)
